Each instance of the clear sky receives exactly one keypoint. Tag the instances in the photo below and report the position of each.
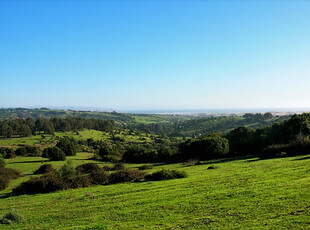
(155, 54)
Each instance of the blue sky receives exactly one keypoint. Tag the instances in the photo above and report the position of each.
(155, 54)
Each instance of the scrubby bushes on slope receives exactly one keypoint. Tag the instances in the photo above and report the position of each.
(43, 169)
(166, 174)
(6, 175)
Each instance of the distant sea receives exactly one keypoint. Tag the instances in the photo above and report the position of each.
(182, 111)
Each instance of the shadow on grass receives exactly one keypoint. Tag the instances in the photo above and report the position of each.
(5, 195)
(249, 158)
(21, 162)
(302, 158)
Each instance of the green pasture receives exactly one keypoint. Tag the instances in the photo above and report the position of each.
(240, 194)
(136, 137)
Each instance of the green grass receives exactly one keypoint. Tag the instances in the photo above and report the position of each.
(135, 137)
(241, 194)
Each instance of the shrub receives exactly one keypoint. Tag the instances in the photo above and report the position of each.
(54, 154)
(43, 169)
(118, 166)
(145, 167)
(165, 174)
(68, 146)
(4, 151)
(192, 162)
(88, 168)
(9, 174)
(45, 184)
(67, 170)
(212, 167)
(126, 175)
(100, 177)
(106, 168)
(10, 155)
(11, 217)
(21, 151)
(33, 151)
(2, 162)
(4, 183)
(78, 181)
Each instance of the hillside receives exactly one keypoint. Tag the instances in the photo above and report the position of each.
(245, 193)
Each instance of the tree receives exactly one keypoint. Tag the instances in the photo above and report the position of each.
(6, 131)
(54, 154)
(68, 146)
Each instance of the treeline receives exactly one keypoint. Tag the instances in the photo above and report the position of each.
(200, 127)
(287, 138)
(27, 127)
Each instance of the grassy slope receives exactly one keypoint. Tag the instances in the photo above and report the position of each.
(83, 135)
(267, 194)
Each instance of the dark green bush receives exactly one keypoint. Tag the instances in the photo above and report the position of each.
(43, 169)
(6, 175)
(78, 181)
(9, 174)
(192, 162)
(88, 168)
(4, 151)
(212, 167)
(45, 184)
(294, 148)
(100, 177)
(10, 155)
(21, 151)
(145, 167)
(106, 168)
(33, 151)
(165, 174)
(54, 154)
(2, 162)
(4, 183)
(126, 175)
(68, 146)
(118, 166)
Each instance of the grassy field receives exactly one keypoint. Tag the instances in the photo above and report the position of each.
(240, 194)
(125, 134)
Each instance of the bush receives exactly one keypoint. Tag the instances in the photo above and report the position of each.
(10, 155)
(9, 174)
(126, 175)
(54, 154)
(6, 175)
(165, 174)
(67, 170)
(2, 162)
(4, 183)
(45, 184)
(118, 166)
(4, 151)
(68, 146)
(212, 167)
(11, 217)
(43, 169)
(21, 151)
(100, 177)
(78, 181)
(106, 168)
(33, 151)
(297, 147)
(88, 168)
(192, 162)
(145, 167)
